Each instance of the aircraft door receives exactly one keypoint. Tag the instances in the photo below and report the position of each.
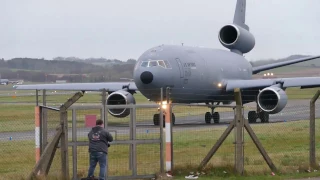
(180, 68)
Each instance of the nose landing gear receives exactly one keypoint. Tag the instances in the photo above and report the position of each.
(156, 119)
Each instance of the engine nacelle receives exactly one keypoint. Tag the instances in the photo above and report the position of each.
(272, 99)
(120, 97)
(234, 37)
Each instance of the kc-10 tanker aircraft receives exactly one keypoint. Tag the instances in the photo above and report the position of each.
(201, 75)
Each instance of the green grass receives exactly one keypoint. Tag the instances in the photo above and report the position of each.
(9, 96)
(53, 97)
(265, 177)
(286, 69)
(21, 117)
(297, 93)
(15, 70)
(287, 145)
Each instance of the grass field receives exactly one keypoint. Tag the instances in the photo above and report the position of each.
(288, 69)
(22, 115)
(286, 143)
(9, 95)
(55, 97)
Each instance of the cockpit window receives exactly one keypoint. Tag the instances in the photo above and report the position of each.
(167, 64)
(152, 63)
(161, 63)
(144, 64)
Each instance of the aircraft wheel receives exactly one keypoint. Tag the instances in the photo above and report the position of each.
(252, 116)
(156, 119)
(173, 119)
(164, 120)
(207, 117)
(216, 117)
(264, 116)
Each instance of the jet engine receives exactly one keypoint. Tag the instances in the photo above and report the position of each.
(234, 37)
(272, 99)
(120, 97)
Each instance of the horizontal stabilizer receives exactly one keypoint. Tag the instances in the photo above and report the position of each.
(258, 69)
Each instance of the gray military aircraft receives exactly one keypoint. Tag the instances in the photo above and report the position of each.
(201, 75)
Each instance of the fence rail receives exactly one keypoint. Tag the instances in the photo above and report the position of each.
(287, 139)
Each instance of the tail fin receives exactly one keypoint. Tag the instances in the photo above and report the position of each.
(240, 14)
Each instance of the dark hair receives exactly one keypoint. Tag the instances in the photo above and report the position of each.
(99, 122)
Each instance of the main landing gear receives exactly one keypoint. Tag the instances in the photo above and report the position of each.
(213, 115)
(254, 115)
(156, 119)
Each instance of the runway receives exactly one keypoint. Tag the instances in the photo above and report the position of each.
(294, 111)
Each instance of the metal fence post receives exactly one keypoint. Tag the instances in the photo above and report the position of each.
(161, 136)
(103, 109)
(134, 145)
(44, 120)
(38, 132)
(168, 127)
(131, 138)
(37, 97)
(74, 146)
(64, 144)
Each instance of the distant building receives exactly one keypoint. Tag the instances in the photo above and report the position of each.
(16, 81)
(61, 81)
(4, 81)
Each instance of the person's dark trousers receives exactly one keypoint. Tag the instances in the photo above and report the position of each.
(96, 157)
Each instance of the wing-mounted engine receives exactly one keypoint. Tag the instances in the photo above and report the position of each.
(272, 99)
(236, 38)
(120, 97)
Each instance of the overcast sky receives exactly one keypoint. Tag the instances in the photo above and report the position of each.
(124, 29)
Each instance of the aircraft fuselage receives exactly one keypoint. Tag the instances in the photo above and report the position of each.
(194, 74)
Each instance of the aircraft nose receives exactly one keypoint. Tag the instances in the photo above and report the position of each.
(146, 77)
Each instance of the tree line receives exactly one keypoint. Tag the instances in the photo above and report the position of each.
(41, 70)
(73, 69)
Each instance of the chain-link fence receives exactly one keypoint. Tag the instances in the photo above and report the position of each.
(120, 162)
(17, 146)
(49, 124)
(285, 138)
(18, 130)
(193, 136)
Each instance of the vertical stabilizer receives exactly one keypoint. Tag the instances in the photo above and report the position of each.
(236, 36)
(240, 14)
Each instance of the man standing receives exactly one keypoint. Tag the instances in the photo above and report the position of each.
(98, 149)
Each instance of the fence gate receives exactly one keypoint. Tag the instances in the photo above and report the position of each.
(136, 150)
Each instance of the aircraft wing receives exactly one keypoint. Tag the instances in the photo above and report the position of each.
(109, 86)
(258, 69)
(302, 82)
